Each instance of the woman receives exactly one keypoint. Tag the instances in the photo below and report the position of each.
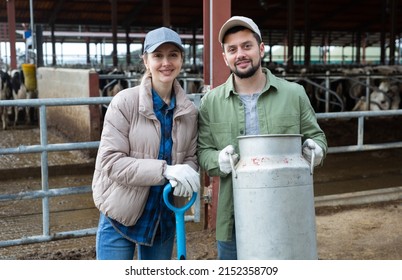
(149, 138)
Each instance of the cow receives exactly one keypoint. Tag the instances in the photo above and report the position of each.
(23, 93)
(114, 88)
(5, 94)
(110, 87)
(385, 97)
(20, 91)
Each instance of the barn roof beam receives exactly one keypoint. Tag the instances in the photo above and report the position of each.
(56, 11)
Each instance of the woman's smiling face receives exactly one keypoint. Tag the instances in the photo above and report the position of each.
(164, 63)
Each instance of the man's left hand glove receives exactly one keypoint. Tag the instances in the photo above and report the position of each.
(309, 147)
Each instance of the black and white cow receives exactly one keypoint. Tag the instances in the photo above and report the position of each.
(385, 97)
(110, 87)
(21, 92)
(5, 94)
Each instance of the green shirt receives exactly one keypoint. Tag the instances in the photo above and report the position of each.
(283, 108)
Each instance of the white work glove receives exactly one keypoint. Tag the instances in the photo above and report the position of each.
(309, 147)
(183, 178)
(224, 159)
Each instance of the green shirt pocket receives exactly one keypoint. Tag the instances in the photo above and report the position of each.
(285, 124)
(222, 134)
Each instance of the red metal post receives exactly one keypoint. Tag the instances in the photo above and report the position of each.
(11, 33)
(215, 73)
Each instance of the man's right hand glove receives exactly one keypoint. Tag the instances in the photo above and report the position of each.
(183, 178)
(224, 159)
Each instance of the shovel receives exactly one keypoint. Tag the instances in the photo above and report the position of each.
(180, 226)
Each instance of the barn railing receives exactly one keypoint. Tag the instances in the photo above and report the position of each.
(44, 148)
(361, 116)
(323, 93)
(45, 193)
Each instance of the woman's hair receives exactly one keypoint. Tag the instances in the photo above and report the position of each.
(143, 68)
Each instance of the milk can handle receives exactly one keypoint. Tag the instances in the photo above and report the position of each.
(232, 165)
(312, 162)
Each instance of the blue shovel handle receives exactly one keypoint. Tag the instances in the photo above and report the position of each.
(180, 226)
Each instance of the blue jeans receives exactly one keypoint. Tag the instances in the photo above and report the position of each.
(111, 245)
(227, 250)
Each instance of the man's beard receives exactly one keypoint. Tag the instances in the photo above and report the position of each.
(249, 73)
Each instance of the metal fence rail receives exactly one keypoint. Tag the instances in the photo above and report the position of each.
(45, 193)
(361, 115)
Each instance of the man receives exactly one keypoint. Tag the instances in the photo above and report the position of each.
(251, 102)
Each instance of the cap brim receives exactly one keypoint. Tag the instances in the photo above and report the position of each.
(155, 46)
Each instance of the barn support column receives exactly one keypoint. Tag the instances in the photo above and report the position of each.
(215, 14)
(358, 46)
(300, 49)
(114, 32)
(327, 49)
(325, 52)
(364, 46)
(392, 36)
(307, 34)
(11, 33)
(382, 35)
(102, 51)
(291, 19)
(61, 51)
(270, 44)
(343, 54)
(352, 45)
(39, 45)
(128, 43)
(285, 45)
(194, 47)
(88, 49)
(323, 58)
(53, 46)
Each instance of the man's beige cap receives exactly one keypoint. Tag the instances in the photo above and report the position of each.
(238, 21)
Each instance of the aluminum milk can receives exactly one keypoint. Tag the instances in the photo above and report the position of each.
(274, 199)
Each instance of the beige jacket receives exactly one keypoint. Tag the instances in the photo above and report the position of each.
(127, 161)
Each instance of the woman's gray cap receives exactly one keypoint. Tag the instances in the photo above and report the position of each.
(159, 36)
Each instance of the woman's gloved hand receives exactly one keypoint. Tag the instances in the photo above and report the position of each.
(183, 178)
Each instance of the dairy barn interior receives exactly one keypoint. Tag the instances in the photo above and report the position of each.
(302, 38)
(346, 53)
